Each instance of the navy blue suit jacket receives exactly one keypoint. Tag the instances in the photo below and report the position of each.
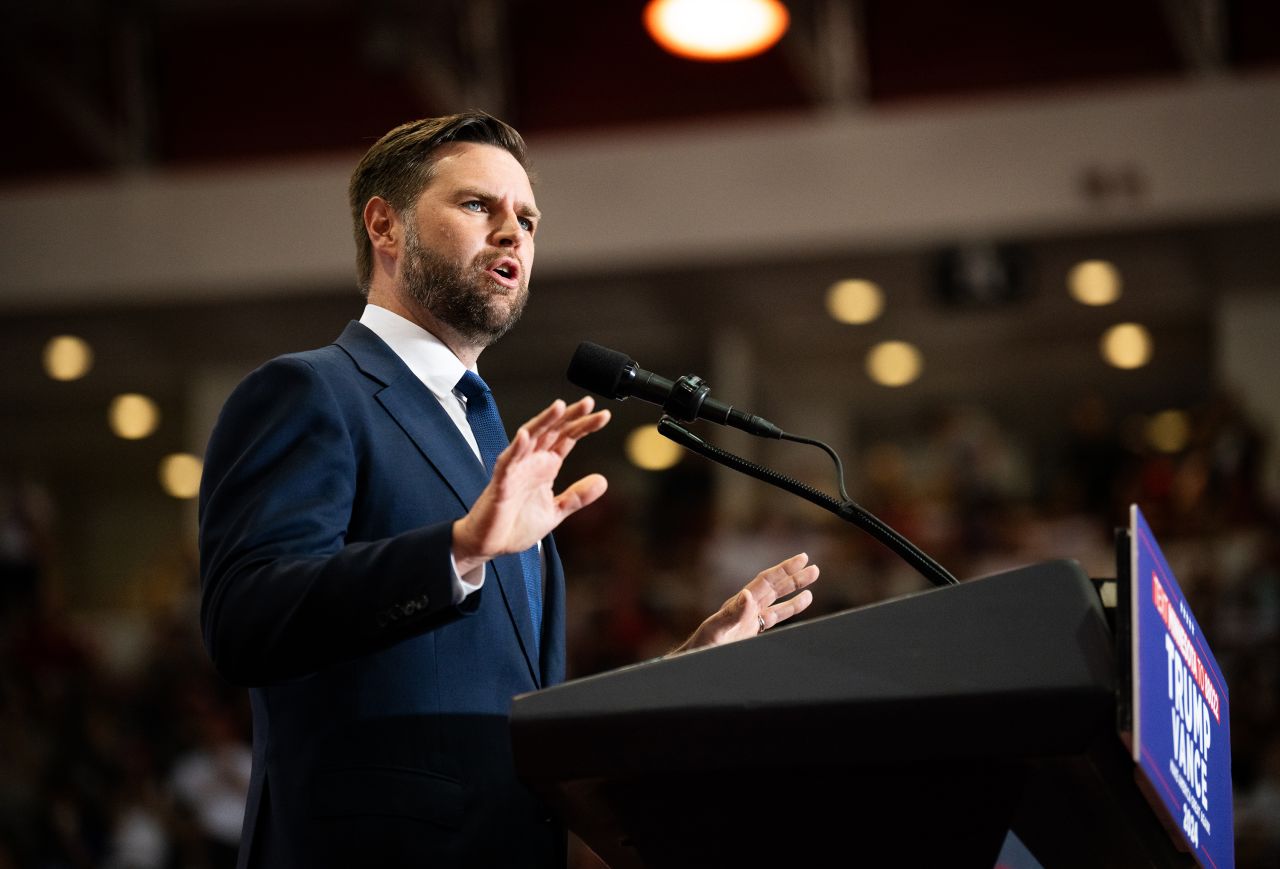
(380, 709)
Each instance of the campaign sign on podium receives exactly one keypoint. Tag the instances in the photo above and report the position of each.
(1181, 715)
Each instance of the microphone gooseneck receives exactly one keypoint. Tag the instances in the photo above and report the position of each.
(846, 508)
(616, 375)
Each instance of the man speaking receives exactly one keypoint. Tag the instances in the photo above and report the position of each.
(376, 558)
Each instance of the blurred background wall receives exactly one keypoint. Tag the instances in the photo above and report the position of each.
(956, 177)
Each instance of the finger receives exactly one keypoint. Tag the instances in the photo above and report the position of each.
(542, 429)
(798, 590)
(797, 581)
(548, 430)
(548, 417)
(780, 612)
(587, 424)
(568, 429)
(781, 579)
(581, 494)
(583, 406)
(518, 449)
(579, 429)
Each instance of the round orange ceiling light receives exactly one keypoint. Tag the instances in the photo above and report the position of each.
(716, 29)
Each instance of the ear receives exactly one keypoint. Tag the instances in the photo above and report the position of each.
(383, 226)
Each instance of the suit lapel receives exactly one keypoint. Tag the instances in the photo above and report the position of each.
(419, 415)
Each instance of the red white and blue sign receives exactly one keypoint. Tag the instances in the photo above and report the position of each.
(1181, 713)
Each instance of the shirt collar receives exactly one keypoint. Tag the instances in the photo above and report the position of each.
(427, 356)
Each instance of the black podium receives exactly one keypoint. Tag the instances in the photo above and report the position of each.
(915, 732)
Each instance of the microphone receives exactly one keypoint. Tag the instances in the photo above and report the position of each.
(615, 375)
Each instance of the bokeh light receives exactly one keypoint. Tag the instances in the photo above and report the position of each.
(1127, 345)
(855, 301)
(133, 416)
(894, 363)
(67, 357)
(1094, 282)
(180, 475)
(649, 450)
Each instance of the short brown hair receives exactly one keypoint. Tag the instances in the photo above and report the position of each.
(400, 165)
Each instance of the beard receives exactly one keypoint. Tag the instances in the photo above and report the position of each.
(462, 296)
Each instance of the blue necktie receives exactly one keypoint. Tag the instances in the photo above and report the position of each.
(491, 438)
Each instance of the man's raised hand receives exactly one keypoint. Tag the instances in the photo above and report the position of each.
(519, 506)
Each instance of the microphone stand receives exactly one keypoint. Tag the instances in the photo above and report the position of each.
(845, 508)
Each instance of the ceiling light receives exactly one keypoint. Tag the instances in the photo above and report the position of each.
(1094, 282)
(716, 29)
(649, 450)
(894, 363)
(133, 416)
(180, 475)
(1127, 345)
(855, 301)
(67, 357)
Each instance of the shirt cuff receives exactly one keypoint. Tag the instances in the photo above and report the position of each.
(465, 585)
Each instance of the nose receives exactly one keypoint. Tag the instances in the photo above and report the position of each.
(507, 231)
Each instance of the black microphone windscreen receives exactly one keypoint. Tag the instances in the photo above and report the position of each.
(598, 369)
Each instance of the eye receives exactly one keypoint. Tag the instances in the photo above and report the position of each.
(474, 205)
(527, 224)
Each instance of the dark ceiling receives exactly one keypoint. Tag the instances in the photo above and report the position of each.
(93, 86)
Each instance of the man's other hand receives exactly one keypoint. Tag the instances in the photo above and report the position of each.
(756, 608)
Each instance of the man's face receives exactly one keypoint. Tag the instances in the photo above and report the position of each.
(468, 251)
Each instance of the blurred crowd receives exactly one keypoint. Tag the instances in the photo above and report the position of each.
(145, 766)
(103, 768)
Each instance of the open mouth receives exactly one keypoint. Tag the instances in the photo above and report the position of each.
(506, 271)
